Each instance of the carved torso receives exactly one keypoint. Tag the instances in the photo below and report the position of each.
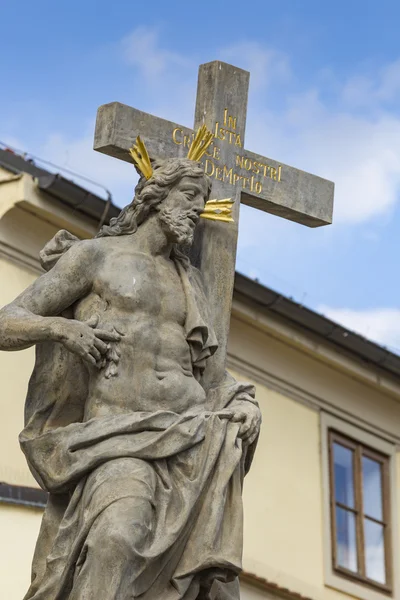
(141, 297)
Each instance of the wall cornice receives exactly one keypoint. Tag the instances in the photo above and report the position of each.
(320, 349)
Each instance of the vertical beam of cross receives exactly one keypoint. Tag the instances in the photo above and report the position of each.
(222, 105)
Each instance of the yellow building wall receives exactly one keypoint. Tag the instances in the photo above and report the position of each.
(15, 370)
(22, 235)
(282, 497)
(248, 592)
(19, 528)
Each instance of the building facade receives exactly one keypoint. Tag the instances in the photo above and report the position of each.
(322, 498)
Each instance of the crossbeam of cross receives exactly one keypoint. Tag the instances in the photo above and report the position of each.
(236, 173)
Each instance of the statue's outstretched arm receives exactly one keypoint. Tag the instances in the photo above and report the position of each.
(32, 317)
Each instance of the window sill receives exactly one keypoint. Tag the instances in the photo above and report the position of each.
(361, 590)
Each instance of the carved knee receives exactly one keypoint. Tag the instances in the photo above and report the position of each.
(123, 528)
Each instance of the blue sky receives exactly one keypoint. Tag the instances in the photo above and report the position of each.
(324, 97)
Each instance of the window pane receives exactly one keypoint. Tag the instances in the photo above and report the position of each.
(346, 545)
(374, 551)
(343, 473)
(372, 488)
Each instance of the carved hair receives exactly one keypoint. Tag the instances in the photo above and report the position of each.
(149, 193)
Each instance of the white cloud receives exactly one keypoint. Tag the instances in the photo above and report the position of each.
(362, 158)
(266, 65)
(382, 325)
(374, 89)
(142, 50)
(358, 91)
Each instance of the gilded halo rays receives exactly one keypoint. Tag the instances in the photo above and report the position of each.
(215, 210)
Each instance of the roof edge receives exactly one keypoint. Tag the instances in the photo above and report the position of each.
(310, 321)
(264, 584)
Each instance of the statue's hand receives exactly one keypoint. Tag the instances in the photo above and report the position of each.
(250, 417)
(85, 340)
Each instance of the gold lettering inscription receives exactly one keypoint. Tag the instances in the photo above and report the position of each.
(227, 174)
(187, 140)
(209, 167)
(175, 135)
(239, 161)
(248, 164)
(229, 121)
(179, 138)
(245, 163)
(226, 134)
(232, 122)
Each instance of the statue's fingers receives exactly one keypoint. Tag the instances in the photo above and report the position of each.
(244, 429)
(249, 432)
(253, 432)
(100, 345)
(225, 414)
(239, 416)
(89, 359)
(95, 353)
(108, 336)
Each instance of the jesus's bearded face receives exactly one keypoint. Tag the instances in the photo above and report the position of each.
(180, 211)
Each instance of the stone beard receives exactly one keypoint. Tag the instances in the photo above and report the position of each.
(143, 462)
(177, 225)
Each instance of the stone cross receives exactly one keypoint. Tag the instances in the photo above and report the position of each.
(236, 173)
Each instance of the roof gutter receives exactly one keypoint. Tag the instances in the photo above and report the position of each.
(271, 302)
(77, 198)
(64, 190)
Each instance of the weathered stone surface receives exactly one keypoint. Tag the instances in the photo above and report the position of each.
(299, 196)
(118, 125)
(121, 428)
(221, 87)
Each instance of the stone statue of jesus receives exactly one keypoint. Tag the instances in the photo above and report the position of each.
(144, 467)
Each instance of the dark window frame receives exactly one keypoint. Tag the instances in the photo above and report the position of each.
(360, 449)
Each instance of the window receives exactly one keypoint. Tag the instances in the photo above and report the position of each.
(360, 512)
